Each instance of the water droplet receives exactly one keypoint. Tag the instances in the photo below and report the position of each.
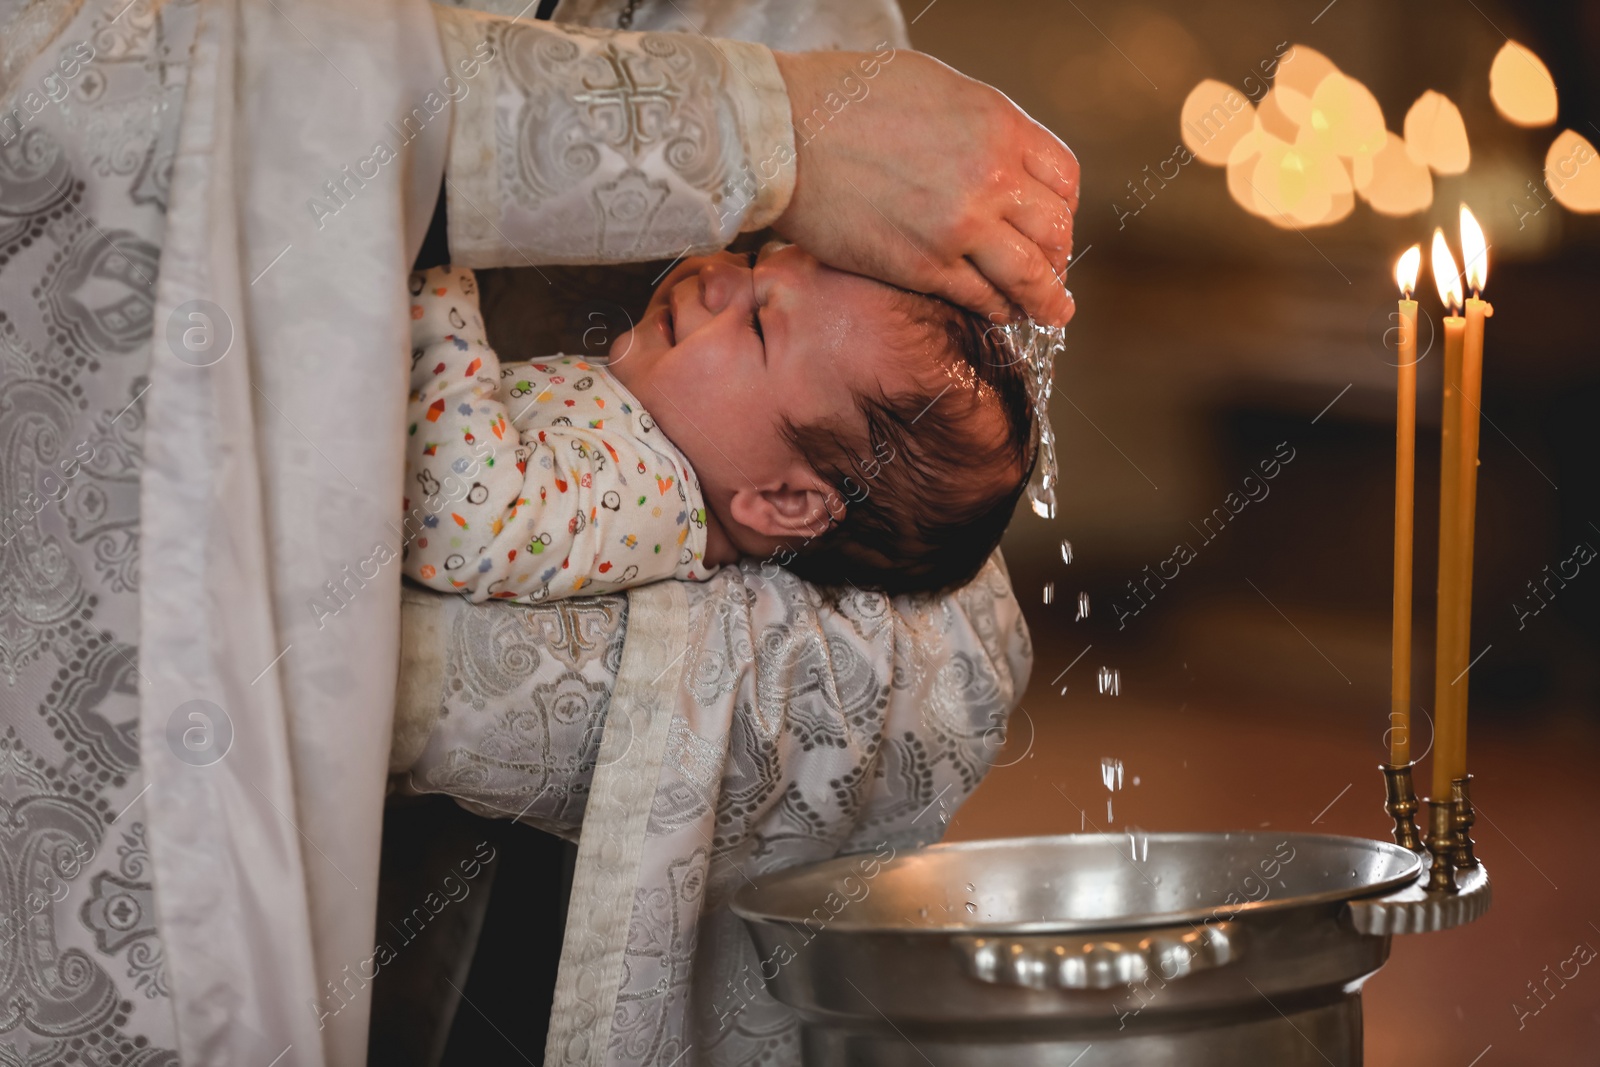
(971, 888)
(1110, 680)
(1049, 592)
(922, 913)
(1044, 508)
(1136, 779)
(1063, 690)
(1083, 607)
(1066, 551)
(1111, 772)
(972, 908)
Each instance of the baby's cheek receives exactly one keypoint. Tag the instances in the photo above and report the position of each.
(710, 389)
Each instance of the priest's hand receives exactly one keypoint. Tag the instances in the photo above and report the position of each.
(923, 177)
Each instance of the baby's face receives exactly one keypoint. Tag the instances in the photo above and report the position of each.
(732, 346)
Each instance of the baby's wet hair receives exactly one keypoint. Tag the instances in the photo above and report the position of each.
(928, 490)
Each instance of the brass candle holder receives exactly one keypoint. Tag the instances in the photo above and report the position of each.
(1462, 818)
(1441, 845)
(1401, 804)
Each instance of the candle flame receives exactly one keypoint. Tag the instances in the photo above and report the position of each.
(1406, 268)
(1474, 251)
(1445, 275)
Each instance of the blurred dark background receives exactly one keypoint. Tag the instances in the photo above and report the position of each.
(1254, 687)
(1205, 336)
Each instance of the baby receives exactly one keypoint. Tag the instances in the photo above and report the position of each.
(765, 405)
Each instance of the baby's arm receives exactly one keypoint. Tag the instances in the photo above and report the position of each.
(545, 512)
(460, 478)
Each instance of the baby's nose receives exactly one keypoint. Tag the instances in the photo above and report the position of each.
(725, 283)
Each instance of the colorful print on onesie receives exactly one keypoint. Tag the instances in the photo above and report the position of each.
(533, 481)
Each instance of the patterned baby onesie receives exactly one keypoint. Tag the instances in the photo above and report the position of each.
(533, 481)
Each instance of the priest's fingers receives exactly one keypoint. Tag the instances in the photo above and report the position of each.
(1053, 164)
(963, 284)
(1015, 266)
(1044, 219)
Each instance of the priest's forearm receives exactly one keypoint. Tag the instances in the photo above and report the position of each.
(574, 145)
(579, 145)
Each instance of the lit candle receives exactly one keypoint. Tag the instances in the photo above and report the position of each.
(1450, 710)
(1475, 266)
(1405, 467)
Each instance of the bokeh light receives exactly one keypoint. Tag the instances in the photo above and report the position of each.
(1302, 69)
(1346, 115)
(1436, 136)
(1282, 112)
(1215, 116)
(1521, 87)
(1293, 185)
(1241, 172)
(1392, 182)
(1571, 173)
(1316, 140)
(1290, 180)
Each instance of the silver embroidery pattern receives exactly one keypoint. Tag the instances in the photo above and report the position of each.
(82, 205)
(808, 724)
(581, 145)
(624, 124)
(526, 689)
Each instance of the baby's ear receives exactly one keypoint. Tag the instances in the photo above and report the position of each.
(790, 510)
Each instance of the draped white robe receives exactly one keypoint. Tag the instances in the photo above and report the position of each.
(201, 755)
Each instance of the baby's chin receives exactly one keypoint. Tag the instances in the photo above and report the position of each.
(622, 358)
(619, 347)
